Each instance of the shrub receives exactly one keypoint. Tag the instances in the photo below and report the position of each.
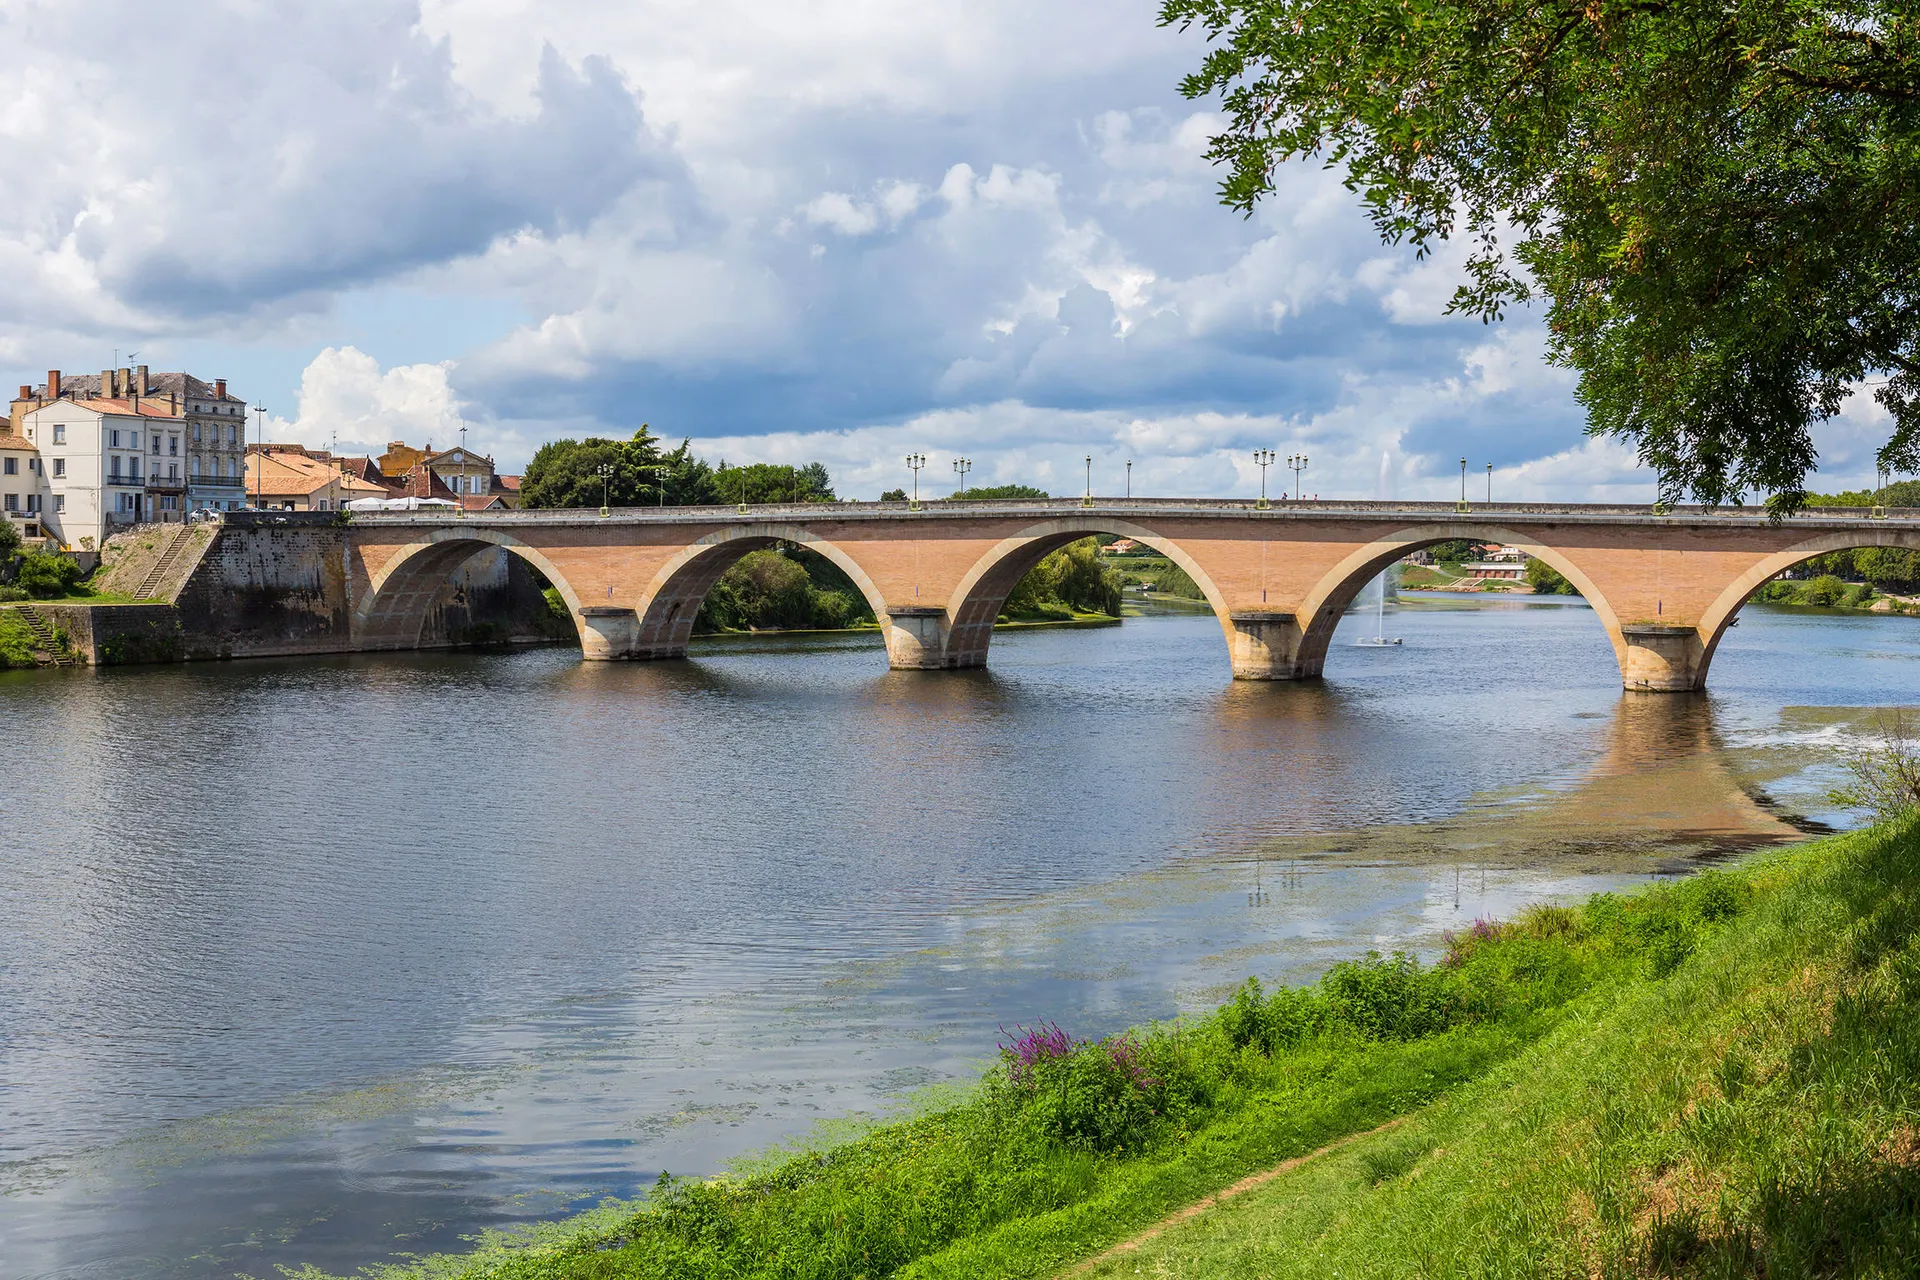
(1824, 590)
(11, 592)
(45, 574)
(1886, 772)
(1387, 997)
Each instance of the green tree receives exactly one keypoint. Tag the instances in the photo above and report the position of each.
(990, 491)
(566, 473)
(1070, 579)
(1901, 493)
(1457, 551)
(1717, 198)
(772, 482)
(1549, 581)
(783, 588)
(894, 495)
(9, 542)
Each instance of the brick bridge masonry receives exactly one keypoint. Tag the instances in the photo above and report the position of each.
(1665, 585)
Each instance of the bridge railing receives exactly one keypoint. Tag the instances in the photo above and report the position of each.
(1040, 508)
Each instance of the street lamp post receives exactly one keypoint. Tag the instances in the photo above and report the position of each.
(1088, 500)
(1462, 506)
(605, 472)
(260, 452)
(915, 461)
(1298, 463)
(961, 466)
(1489, 484)
(1129, 478)
(1263, 458)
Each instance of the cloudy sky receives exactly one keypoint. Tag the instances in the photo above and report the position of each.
(814, 229)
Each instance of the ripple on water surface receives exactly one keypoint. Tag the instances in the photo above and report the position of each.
(326, 960)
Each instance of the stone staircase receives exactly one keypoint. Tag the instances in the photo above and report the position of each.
(49, 652)
(164, 566)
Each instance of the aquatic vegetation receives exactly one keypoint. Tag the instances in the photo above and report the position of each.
(1067, 1144)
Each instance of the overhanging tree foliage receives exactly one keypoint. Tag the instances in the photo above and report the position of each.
(1719, 199)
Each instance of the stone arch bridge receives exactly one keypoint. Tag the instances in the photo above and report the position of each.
(1665, 585)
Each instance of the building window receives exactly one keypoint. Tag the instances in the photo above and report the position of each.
(13, 466)
(59, 433)
(113, 439)
(156, 444)
(59, 502)
(133, 439)
(134, 475)
(59, 467)
(13, 502)
(173, 446)
(33, 502)
(196, 433)
(173, 471)
(116, 466)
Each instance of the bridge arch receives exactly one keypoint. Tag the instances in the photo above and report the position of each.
(1321, 611)
(392, 611)
(667, 607)
(1726, 606)
(976, 601)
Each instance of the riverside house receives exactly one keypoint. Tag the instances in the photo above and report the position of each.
(23, 490)
(107, 464)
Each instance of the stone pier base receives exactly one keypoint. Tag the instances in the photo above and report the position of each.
(1661, 658)
(1266, 646)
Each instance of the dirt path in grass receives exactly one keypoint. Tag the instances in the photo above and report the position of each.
(1246, 1184)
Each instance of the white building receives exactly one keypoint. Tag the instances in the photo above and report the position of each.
(108, 464)
(211, 468)
(23, 491)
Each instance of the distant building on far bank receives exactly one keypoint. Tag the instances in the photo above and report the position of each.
(292, 478)
(1504, 563)
(459, 474)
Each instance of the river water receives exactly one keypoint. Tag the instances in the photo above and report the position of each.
(331, 960)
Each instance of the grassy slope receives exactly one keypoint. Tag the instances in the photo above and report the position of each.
(1757, 1103)
(1754, 1114)
(16, 641)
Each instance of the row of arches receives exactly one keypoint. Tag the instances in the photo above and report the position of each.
(958, 633)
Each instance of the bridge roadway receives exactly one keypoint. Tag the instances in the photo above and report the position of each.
(1664, 584)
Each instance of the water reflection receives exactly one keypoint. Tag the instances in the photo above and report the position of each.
(321, 960)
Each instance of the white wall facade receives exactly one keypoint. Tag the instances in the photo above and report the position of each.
(24, 495)
(98, 465)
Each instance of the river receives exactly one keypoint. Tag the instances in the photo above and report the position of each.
(330, 960)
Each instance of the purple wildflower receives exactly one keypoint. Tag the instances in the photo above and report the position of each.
(1033, 1046)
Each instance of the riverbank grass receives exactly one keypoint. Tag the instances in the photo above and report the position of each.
(1713, 1076)
(1757, 1112)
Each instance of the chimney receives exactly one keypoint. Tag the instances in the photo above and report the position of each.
(26, 392)
(219, 388)
(53, 384)
(140, 381)
(106, 384)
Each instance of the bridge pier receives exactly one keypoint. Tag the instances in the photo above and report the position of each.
(1661, 658)
(608, 634)
(916, 638)
(1267, 645)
